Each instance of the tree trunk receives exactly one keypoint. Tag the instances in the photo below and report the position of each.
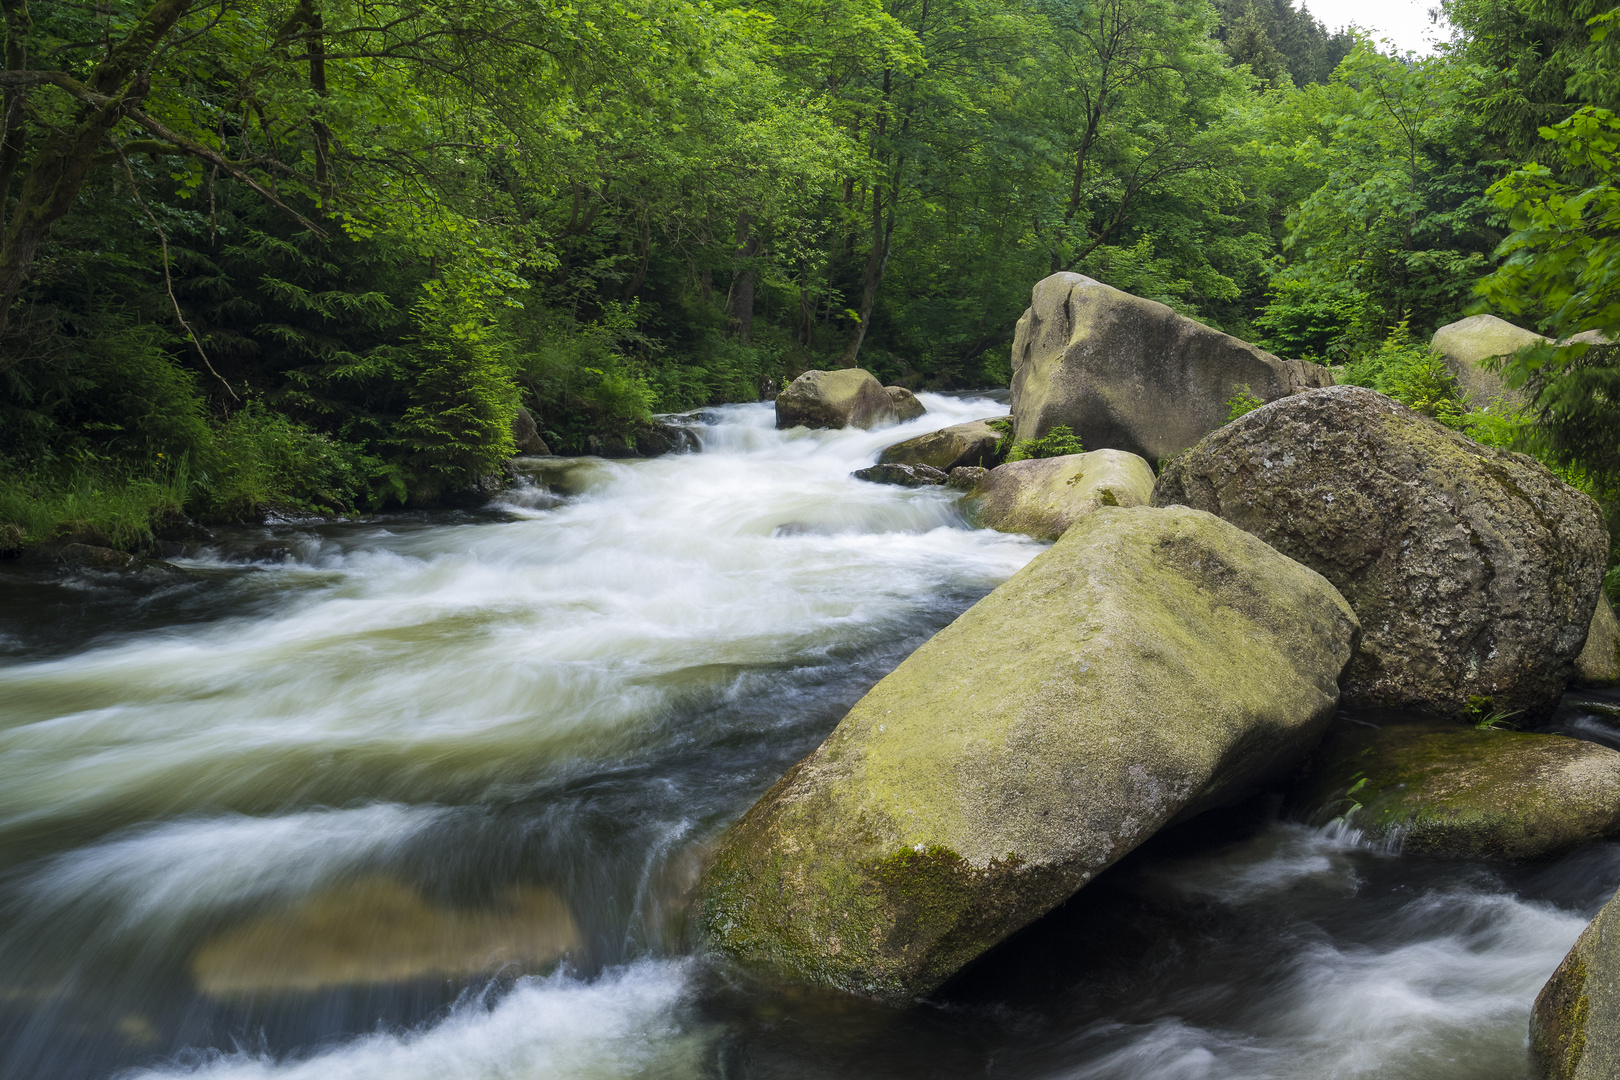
(740, 303)
(877, 261)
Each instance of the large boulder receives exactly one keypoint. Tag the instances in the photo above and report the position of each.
(906, 405)
(1473, 570)
(1468, 343)
(1044, 496)
(1599, 661)
(1130, 374)
(848, 397)
(1151, 665)
(972, 443)
(1575, 1023)
(1448, 790)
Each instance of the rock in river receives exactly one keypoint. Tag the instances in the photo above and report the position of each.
(906, 405)
(1151, 665)
(902, 475)
(1575, 1024)
(1130, 374)
(1449, 790)
(848, 397)
(1473, 570)
(957, 446)
(1044, 496)
(1599, 661)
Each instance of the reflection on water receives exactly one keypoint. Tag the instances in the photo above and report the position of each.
(425, 797)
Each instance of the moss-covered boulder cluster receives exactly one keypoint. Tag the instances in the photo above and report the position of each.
(1575, 1024)
(1152, 664)
(1184, 643)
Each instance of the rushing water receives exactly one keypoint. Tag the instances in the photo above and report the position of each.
(425, 797)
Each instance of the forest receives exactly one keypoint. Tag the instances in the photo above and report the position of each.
(311, 256)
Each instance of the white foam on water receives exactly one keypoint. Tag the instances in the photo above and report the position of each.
(437, 660)
(623, 1024)
(164, 876)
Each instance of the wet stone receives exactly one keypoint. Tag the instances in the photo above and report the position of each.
(903, 475)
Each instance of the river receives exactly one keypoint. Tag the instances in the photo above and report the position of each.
(423, 796)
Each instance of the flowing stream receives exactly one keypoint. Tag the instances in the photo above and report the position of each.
(424, 796)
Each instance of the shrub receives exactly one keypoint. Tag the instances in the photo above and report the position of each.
(1241, 403)
(1058, 442)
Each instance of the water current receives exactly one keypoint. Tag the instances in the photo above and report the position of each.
(423, 796)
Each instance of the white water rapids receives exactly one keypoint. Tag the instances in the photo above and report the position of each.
(524, 724)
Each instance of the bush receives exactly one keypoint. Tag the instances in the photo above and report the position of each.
(261, 460)
(1408, 372)
(1241, 403)
(1059, 441)
(458, 427)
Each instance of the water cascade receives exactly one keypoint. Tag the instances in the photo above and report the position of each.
(424, 796)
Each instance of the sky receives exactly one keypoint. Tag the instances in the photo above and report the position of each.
(1406, 22)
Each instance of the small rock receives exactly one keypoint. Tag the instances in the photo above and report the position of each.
(1042, 497)
(526, 434)
(972, 443)
(906, 405)
(904, 475)
(963, 477)
(91, 557)
(1599, 662)
(847, 397)
(1457, 792)
(11, 541)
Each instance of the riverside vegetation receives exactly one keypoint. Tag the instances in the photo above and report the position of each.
(311, 257)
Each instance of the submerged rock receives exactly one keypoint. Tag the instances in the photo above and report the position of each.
(906, 405)
(1130, 374)
(526, 435)
(848, 397)
(91, 557)
(1575, 1023)
(1044, 496)
(1458, 792)
(1599, 661)
(377, 930)
(957, 446)
(1473, 570)
(1151, 665)
(903, 475)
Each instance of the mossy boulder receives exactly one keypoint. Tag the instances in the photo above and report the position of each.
(1151, 665)
(1126, 373)
(1575, 1023)
(11, 540)
(1473, 570)
(957, 446)
(1599, 661)
(1448, 790)
(848, 397)
(1467, 345)
(1042, 497)
(906, 405)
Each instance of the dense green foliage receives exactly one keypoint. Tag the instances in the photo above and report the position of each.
(309, 256)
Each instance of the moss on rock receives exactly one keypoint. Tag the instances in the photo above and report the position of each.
(1575, 1023)
(1441, 789)
(1152, 664)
